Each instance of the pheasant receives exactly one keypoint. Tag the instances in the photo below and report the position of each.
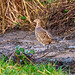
(42, 35)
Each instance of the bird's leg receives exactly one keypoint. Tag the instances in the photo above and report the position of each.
(47, 46)
(46, 51)
(43, 46)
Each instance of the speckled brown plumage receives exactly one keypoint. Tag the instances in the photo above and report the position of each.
(42, 35)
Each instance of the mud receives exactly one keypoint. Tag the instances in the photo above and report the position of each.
(62, 51)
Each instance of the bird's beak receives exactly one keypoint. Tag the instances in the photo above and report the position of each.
(34, 21)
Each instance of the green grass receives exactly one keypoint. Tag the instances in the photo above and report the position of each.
(11, 68)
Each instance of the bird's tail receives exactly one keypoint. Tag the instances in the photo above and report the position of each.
(55, 38)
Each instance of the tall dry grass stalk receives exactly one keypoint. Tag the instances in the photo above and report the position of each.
(31, 9)
(2, 25)
(8, 15)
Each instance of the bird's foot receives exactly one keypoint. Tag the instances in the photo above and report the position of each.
(42, 46)
(47, 46)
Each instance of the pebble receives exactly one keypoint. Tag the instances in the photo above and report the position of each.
(52, 60)
(71, 50)
(69, 60)
(71, 47)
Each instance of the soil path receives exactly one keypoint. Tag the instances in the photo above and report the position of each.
(63, 50)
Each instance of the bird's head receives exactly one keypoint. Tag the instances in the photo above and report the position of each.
(37, 21)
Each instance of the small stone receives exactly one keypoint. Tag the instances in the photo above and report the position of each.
(71, 50)
(40, 60)
(74, 44)
(71, 41)
(71, 47)
(69, 60)
(62, 57)
(66, 57)
(52, 60)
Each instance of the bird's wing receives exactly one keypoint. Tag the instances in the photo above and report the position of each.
(43, 34)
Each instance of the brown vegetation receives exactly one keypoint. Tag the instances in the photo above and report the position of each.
(11, 12)
(62, 20)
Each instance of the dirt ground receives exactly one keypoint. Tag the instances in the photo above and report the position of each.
(63, 51)
(27, 40)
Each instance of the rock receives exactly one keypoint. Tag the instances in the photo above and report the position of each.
(71, 47)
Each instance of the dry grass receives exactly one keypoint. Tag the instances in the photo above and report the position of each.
(11, 10)
(63, 19)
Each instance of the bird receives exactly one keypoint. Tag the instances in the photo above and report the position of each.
(42, 35)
